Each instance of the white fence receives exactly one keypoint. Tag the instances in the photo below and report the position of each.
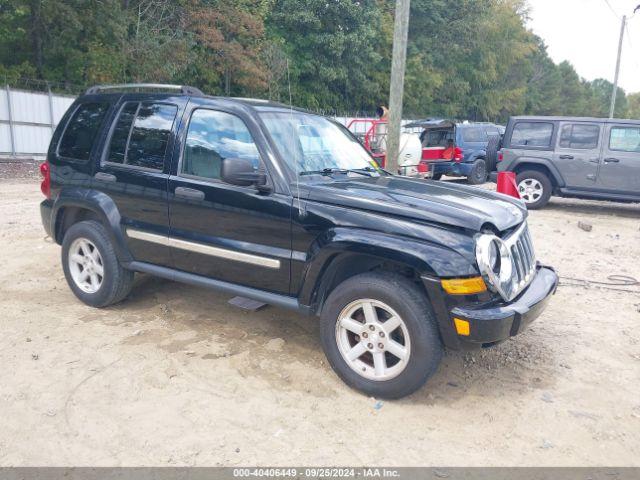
(28, 119)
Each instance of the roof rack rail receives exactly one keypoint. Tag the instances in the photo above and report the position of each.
(159, 86)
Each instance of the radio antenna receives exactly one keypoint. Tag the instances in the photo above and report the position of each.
(294, 150)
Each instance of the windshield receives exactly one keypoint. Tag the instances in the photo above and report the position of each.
(314, 144)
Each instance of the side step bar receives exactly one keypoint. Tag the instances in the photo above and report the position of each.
(275, 299)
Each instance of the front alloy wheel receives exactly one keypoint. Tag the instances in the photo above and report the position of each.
(373, 339)
(380, 335)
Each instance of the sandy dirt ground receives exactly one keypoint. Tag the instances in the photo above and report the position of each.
(176, 376)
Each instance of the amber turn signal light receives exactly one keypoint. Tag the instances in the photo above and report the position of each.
(464, 286)
(462, 327)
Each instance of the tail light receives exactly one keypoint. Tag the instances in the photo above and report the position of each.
(45, 186)
(423, 166)
(500, 156)
(458, 155)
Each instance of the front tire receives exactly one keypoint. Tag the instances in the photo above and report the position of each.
(478, 174)
(534, 188)
(91, 266)
(380, 336)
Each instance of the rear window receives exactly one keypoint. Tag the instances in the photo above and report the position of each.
(532, 134)
(436, 138)
(475, 134)
(141, 135)
(82, 130)
(579, 136)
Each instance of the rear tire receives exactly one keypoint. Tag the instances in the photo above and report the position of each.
(478, 174)
(91, 266)
(387, 361)
(436, 176)
(492, 152)
(534, 188)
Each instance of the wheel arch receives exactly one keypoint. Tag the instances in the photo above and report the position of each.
(345, 256)
(540, 166)
(73, 206)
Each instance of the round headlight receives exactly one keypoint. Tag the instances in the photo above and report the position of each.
(494, 257)
(493, 261)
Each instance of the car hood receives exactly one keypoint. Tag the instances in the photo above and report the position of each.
(426, 200)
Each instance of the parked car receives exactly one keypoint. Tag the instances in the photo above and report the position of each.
(470, 141)
(286, 207)
(573, 157)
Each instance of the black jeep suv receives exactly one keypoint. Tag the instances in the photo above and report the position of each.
(285, 207)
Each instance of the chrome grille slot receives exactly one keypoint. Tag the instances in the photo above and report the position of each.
(523, 258)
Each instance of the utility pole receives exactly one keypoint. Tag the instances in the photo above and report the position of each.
(615, 79)
(396, 90)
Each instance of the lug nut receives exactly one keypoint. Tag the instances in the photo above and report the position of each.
(380, 345)
(370, 346)
(365, 334)
(381, 334)
(372, 328)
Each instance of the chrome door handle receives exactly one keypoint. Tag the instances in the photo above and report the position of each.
(189, 193)
(566, 157)
(105, 177)
(611, 160)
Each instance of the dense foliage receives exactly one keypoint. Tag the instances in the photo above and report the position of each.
(470, 59)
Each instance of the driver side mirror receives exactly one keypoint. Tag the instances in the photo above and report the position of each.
(240, 171)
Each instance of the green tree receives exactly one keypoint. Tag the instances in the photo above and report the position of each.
(633, 106)
(332, 51)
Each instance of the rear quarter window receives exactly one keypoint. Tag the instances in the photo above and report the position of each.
(474, 134)
(532, 134)
(81, 132)
(625, 139)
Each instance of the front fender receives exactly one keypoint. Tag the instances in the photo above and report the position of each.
(98, 203)
(339, 245)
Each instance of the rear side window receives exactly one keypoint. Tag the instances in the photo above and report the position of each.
(532, 134)
(625, 139)
(476, 134)
(82, 130)
(141, 134)
(579, 136)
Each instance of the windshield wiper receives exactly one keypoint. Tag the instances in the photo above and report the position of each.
(331, 171)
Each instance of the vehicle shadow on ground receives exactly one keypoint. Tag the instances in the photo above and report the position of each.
(591, 207)
(200, 323)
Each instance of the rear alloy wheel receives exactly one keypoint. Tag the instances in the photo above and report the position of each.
(380, 335)
(478, 174)
(534, 188)
(91, 266)
(85, 265)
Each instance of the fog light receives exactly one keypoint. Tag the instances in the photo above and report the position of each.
(464, 286)
(462, 327)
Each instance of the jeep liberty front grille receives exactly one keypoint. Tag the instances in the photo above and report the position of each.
(523, 258)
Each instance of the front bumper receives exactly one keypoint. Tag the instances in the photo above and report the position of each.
(498, 322)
